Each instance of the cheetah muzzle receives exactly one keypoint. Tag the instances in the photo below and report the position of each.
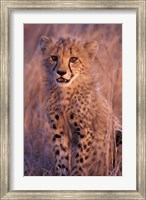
(62, 80)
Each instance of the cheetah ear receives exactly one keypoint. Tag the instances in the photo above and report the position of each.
(92, 48)
(43, 43)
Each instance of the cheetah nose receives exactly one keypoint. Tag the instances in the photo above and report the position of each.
(61, 72)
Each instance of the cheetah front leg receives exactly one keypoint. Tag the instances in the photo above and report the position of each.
(60, 141)
(84, 151)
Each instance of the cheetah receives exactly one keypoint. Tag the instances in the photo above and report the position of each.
(76, 111)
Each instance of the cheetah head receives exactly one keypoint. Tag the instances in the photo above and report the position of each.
(66, 59)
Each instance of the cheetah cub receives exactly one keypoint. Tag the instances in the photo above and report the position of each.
(76, 111)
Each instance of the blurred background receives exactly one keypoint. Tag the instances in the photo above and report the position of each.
(38, 160)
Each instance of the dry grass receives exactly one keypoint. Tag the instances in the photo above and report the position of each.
(108, 71)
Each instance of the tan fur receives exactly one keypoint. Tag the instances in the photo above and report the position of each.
(76, 111)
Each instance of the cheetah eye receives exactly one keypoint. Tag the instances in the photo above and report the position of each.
(73, 59)
(54, 58)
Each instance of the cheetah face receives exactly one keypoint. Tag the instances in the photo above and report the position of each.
(64, 59)
(65, 69)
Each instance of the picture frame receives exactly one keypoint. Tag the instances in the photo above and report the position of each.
(6, 7)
